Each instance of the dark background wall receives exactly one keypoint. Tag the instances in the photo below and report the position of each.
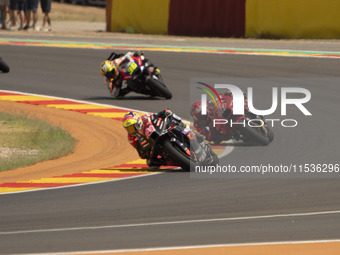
(222, 18)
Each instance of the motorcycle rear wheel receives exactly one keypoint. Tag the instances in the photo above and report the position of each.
(159, 88)
(177, 155)
(3, 66)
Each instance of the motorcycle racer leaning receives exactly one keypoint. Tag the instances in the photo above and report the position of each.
(113, 78)
(140, 128)
(204, 123)
(111, 70)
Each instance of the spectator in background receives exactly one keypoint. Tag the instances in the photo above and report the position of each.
(46, 9)
(31, 6)
(17, 7)
(4, 6)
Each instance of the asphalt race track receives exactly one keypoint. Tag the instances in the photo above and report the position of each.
(174, 209)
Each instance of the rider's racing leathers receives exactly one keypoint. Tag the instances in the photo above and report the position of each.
(142, 141)
(115, 86)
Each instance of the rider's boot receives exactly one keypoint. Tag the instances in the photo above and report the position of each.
(153, 163)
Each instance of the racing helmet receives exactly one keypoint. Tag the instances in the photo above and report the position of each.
(132, 122)
(108, 69)
(228, 93)
(196, 112)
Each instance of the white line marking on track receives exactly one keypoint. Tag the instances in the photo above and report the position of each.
(174, 222)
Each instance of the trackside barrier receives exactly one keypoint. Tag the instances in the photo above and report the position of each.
(140, 16)
(312, 19)
(227, 18)
(223, 18)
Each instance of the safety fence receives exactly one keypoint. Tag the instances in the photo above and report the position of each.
(227, 18)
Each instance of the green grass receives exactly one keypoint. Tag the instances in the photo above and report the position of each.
(26, 141)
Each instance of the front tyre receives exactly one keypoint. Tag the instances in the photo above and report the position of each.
(254, 134)
(270, 134)
(159, 88)
(177, 155)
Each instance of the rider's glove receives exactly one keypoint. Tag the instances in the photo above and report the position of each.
(174, 117)
(165, 113)
(138, 53)
(114, 56)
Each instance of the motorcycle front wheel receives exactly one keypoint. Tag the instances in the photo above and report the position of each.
(254, 134)
(177, 155)
(270, 134)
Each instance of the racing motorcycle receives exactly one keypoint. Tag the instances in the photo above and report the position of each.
(250, 128)
(3, 66)
(140, 75)
(178, 145)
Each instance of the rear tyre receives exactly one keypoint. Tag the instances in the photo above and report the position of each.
(3, 66)
(160, 88)
(177, 155)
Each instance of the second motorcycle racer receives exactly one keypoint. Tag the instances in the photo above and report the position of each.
(260, 133)
(128, 72)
